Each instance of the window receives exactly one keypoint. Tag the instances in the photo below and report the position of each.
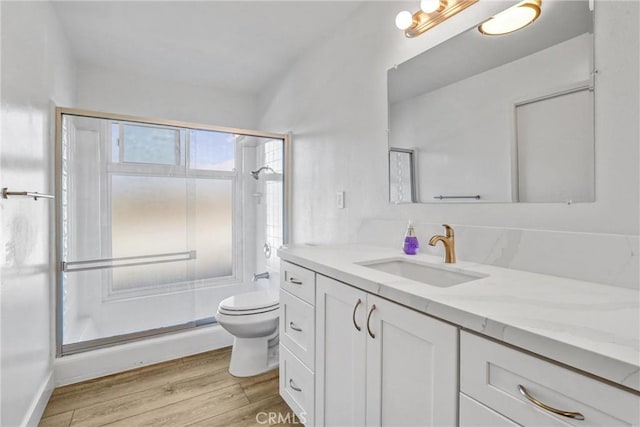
(169, 190)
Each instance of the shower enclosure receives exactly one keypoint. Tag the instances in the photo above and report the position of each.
(159, 221)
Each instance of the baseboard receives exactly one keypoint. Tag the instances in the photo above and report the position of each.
(34, 414)
(106, 361)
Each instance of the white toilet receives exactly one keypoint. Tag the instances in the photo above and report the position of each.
(252, 318)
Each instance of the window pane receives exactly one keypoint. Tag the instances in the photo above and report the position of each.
(151, 215)
(212, 150)
(148, 217)
(145, 144)
(213, 228)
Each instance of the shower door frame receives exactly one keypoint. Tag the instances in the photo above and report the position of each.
(135, 336)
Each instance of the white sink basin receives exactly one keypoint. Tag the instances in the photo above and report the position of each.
(423, 272)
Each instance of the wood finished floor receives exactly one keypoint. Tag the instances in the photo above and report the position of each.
(192, 391)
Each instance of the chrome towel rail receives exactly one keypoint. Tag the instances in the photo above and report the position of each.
(6, 193)
(105, 263)
(441, 197)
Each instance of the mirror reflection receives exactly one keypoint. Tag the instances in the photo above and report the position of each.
(402, 182)
(500, 118)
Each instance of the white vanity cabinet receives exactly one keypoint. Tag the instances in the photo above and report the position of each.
(378, 363)
(297, 340)
(494, 379)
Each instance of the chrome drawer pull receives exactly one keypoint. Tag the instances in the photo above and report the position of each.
(295, 281)
(574, 415)
(291, 384)
(354, 314)
(294, 327)
(373, 307)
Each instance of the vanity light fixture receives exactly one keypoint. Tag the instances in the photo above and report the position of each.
(431, 13)
(512, 19)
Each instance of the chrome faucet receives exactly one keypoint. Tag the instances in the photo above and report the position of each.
(448, 240)
(257, 276)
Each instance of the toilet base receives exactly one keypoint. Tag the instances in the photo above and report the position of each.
(254, 356)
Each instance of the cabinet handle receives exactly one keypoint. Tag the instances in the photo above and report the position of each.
(292, 385)
(295, 281)
(294, 327)
(371, 334)
(525, 393)
(354, 314)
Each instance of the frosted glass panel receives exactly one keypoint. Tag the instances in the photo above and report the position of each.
(148, 216)
(145, 144)
(213, 228)
(151, 215)
(212, 150)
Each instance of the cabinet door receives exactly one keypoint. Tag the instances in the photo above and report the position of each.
(412, 368)
(340, 354)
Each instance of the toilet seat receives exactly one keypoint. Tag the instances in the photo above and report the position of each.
(250, 303)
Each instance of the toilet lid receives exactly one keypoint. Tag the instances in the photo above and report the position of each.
(251, 301)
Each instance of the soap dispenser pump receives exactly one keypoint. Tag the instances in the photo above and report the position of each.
(411, 244)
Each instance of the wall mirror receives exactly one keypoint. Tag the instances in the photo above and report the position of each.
(498, 118)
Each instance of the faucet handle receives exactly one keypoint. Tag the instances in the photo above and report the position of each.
(448, 230)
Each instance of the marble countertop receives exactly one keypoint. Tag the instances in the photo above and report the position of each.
(589, 326)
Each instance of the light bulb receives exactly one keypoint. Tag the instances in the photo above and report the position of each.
(404, 20)
(512, 19)
(429, 6)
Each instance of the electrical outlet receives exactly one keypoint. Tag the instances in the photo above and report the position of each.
(340, 199)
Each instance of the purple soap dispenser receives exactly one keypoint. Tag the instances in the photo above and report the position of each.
(411, 244)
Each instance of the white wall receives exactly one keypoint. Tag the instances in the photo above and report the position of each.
(334, 102)
(115, 92)
(37, 72)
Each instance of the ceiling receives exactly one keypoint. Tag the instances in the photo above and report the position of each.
(240, 46)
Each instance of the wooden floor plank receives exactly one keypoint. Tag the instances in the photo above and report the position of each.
(255, 414)
(260, 387)
(60, 420)
(114, 386)
(191, 410)
(196, 390)
(217, 359)
(153, 398)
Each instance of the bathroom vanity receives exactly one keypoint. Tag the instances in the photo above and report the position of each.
(370, 336)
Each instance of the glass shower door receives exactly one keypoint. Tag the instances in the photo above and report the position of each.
(148, 228)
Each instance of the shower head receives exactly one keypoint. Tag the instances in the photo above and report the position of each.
(256, 173)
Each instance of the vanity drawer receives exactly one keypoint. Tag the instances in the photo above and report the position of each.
(297, 327)
(297, 386)
(298, 281)
(492, 373)
(475, 414)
